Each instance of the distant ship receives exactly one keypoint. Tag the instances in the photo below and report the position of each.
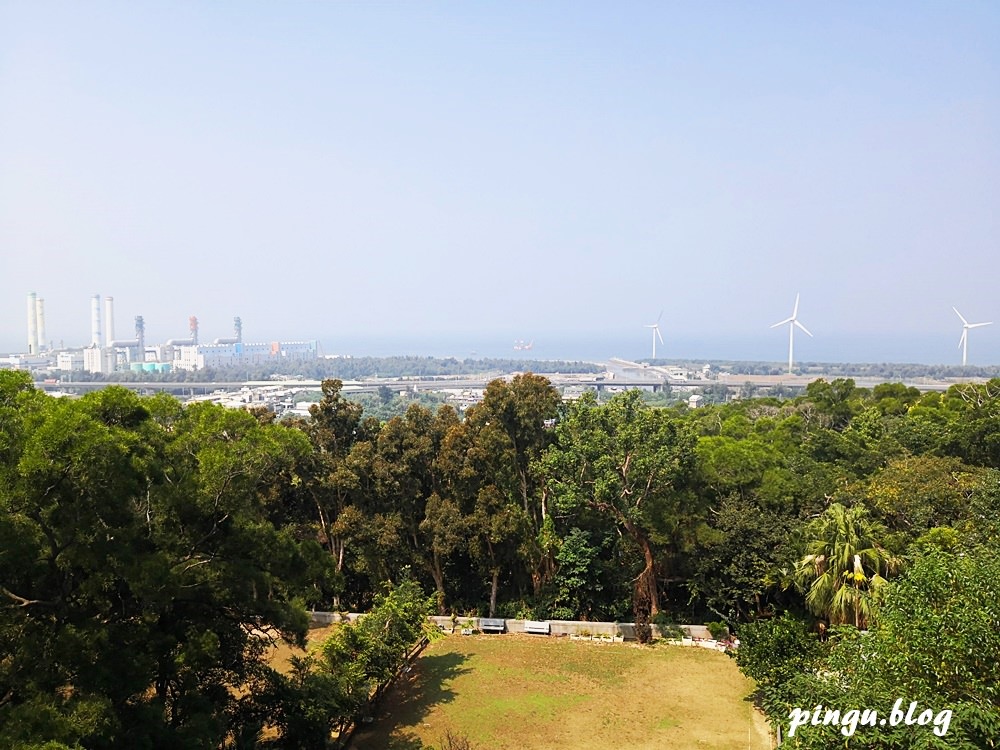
(522, 346)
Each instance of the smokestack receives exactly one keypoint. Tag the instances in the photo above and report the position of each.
(238, 330)
(109, 320)
(40, 323)
(193, 326)
(32, 324)
(95, 320)
(140, 334)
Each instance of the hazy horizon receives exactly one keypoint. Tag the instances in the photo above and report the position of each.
(601, 347)
(445, 175)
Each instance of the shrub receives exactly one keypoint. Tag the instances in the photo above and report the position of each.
(667, 629)
(719, 630)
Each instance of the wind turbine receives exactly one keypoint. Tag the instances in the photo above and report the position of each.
(792, 322)
(656, 332)
(964, 341)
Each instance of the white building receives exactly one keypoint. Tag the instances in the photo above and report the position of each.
(200, 356)
(69, 361)
(99, 359)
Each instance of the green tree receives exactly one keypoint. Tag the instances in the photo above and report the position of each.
(410, 488)
(934, 642)
(740, 546)
(916, 493)
(844, 566)
(630, 465)
(510, 430)
(140, 567)
(332, 688)
(776, 653)
(336, 469)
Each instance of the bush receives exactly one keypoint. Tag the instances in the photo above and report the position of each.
(667, 629)
(562, 613)
(719, 630)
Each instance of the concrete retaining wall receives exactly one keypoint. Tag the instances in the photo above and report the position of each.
(558, 627)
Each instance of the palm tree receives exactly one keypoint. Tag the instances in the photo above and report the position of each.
(844, 565)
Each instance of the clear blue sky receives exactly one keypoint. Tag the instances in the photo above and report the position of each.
(421, 171)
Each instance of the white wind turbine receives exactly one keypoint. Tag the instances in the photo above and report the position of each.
(964, 341)
(792, 322)
(656, 332)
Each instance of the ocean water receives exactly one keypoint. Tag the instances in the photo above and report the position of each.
(929, 350)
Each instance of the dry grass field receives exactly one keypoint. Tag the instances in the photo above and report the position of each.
(536, 693)
(282, 652)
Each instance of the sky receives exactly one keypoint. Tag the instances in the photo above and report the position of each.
(437, 177)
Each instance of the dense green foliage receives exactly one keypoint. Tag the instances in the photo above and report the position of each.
(329, 690)
(149, 551)
(148, 558)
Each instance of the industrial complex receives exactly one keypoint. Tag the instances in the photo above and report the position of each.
(107, 354)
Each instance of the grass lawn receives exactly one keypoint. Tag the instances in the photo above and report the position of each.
(536, 693)
(281, 653)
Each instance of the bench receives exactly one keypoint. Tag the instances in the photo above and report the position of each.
(536, 627)
(491, 624)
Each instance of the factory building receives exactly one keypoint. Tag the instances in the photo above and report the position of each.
(238, 354)
(100, 359)
(71, 361)
(106, 354)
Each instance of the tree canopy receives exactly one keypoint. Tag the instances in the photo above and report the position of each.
(152, 552)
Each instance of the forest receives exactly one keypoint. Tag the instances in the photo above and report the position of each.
(150, 551)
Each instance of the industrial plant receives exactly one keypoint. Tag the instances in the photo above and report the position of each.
(107, 354)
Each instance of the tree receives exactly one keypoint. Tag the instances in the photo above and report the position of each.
(836, 401)
(844, 565)
(336, 468)
(332, 687)
(933, 641)
(629, 464)
(742, 544)
(774, 653)
(142, 574)
(410, 487)
(917, 493)
(509, 432)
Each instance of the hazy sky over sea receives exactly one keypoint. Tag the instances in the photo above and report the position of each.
(475, 173)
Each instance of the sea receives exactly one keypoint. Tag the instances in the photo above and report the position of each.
(936, 349)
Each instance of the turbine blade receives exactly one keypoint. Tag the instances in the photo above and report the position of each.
(980, 325)
(959, 315)
(965, 332)
(802, 327)
(657, 329)
(659, 316)
(795, 311)
(781, 323)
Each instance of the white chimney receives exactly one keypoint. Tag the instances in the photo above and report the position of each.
(95, 320)
(32, 324)
(40, 324)
(109, 320)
